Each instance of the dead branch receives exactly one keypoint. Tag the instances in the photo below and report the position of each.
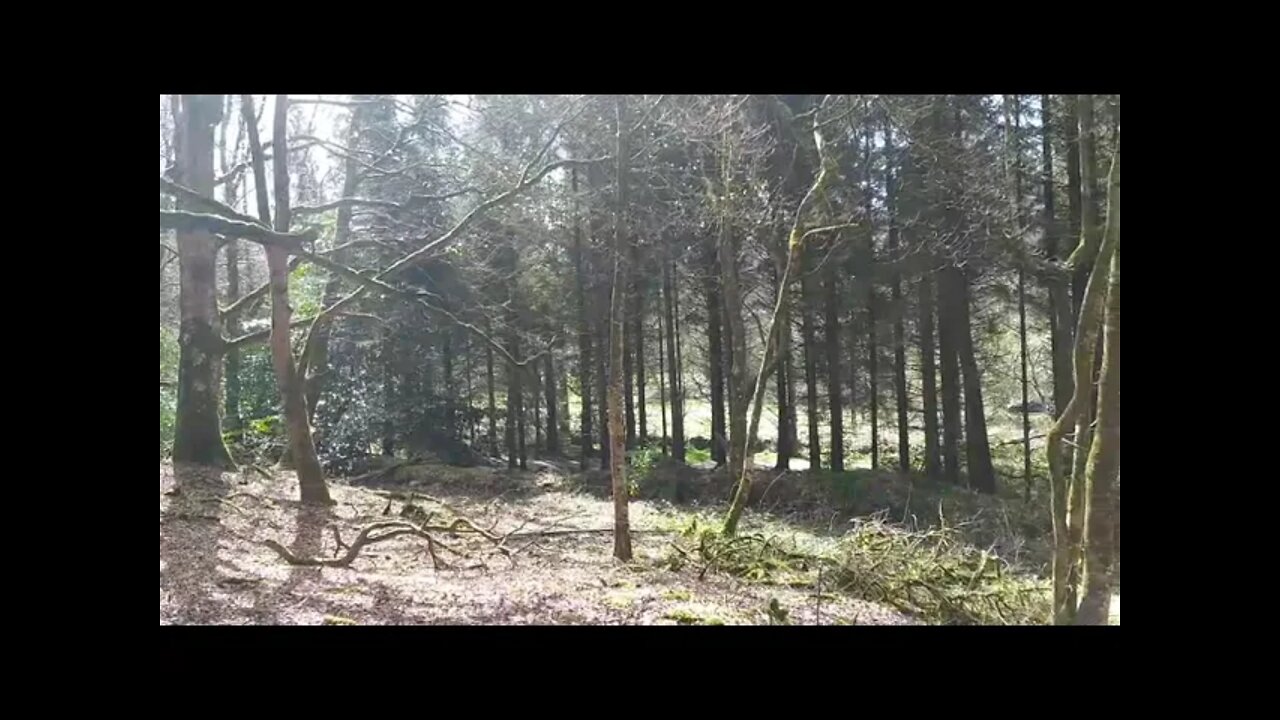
(379, 473)
(392, 529)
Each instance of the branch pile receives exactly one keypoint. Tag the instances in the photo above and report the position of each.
(929, 574)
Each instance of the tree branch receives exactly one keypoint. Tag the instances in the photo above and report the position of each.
(189, 221)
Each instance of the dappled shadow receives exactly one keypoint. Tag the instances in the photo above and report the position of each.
(191, 533)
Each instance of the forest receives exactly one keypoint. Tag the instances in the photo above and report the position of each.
(640, 359)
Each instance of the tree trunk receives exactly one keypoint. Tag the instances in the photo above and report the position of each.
(628, 386)
(982, 476)
(1101, 526)
(388, 393)
(450, 414)
(470, 373)
(492, 436)
(673, 363)
(311, 481)
(899, 329)
(1013, 126)
(1059, 296)
(517, 373)
(602, 387)
(231, 198)
(198, 432)
(808, 296)
(949, 342)
(831, 330)
(513, 405)
(637, 341)
(738, 451)
(873, 360)
(715, 358)
(1081, 262)
(784, 444)
(617, 323)
(553, 420)
(662, 384)
(585, 353)
(1068, 512)
(929, 381)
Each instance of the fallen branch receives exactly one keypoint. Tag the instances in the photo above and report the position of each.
(366, 537)
(378, 473)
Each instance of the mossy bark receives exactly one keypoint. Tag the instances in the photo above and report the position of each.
(198, 431)
(1068, 522)
(1103, 469)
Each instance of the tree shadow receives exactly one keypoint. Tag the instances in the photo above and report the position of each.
(191, 534)
(308, 542)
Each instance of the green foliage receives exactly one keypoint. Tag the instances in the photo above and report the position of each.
(306, 290)
(643, 460)
(696, 455)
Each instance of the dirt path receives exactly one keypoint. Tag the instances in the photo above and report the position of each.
(215, 569)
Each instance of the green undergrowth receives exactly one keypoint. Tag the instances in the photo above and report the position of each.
(932, 574)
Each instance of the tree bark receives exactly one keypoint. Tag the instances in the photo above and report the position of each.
(1068, 512)
(949, 342)
(739, 452)
(662, 385)
(311, 481)
(492, 435)
(617, 323)
(831, 331)
(899, 329)
(642, 414)
(982, 476)
(673, 362)
(784, 441)
(198, 431)
(873, 360)
(628, 370)
(1059, 295)
(231, 198)
(553, 422)
(929, 380)
(1101, 526)
(715, 357)
(1013, 125)
(585, 354)
(808, 296)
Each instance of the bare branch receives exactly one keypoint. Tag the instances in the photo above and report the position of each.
(245, 302)
(189, 221)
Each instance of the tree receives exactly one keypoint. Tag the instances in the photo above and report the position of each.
(198, 432)
(1069, 491)
(617, 324)
(311, 481)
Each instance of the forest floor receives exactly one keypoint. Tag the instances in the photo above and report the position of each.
(545, 556)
